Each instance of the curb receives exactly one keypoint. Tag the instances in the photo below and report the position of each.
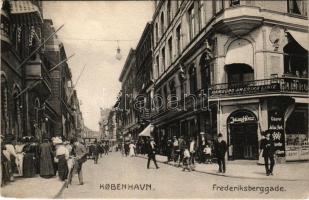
(230, 176)
(61, 190)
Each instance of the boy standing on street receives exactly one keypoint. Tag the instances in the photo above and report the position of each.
(220, 150)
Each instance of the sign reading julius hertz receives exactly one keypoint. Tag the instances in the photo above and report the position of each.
(276, 123)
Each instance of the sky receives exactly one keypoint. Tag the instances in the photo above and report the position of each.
(90, 31)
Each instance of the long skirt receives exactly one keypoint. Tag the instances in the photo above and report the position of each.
(29, 166)
(5, 165)
(19, 163)
(62, 167)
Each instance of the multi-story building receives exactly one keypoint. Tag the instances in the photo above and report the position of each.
(129, 118)
(236, 68)
(32, 97)
(144, 79)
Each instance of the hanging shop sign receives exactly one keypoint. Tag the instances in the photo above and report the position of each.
(242, 116)
(275, 126)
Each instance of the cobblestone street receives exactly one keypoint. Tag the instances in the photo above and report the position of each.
(168, 182)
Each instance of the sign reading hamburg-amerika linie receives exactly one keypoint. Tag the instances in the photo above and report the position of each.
(275, 126)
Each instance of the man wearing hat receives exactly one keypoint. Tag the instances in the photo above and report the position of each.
(267, 146)
(220, 150)
(151, 149)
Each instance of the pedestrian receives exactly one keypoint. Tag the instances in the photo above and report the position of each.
(62, 155)
(80, 152)
(202, 145)
(169, 150)
(151, 147)
(186, 160)
(10, 154)
(132, 149)
(96, 152)
(126, 149)
(175, 149)
(193, 148)
(220, 150)
(46, 159)
(106, 148)
(267, 146)
(207, 154)
(182, 146)
(29, 166)
(19, 155)
(5, 166)
(101, 149)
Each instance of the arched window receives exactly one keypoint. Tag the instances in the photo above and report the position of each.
(4, 106)
(169, 13)
(193, 79)
(162, 24)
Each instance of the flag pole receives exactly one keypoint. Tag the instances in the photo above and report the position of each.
(61, 62)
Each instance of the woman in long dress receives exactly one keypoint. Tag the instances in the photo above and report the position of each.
(19, 156)
(132, 149)
(46, 160)
(29, 166)
(62, 155)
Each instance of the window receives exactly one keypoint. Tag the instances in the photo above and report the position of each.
(169, 13)
(191, 19)
(205, 72)
(162, 24)
(297, 7)
(239, 73)
(157, 67)
(234, 2)
(178, 39)
(170, 49)
(193, 79)
(201, 14)
(163, 58)
(157, 32)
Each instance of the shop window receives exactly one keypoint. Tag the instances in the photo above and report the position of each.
(234, 2)
(297, 7)
(295, 59)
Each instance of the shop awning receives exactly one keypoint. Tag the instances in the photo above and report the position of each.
(25, 12)
(301, 100)
(147, 131)
(301, 38)
(239, 52)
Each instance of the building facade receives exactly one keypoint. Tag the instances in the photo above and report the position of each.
(29, 87)
(232, 67)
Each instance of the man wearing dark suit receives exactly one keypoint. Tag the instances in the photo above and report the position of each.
(220, 150)
(267, 145)
(151, 150)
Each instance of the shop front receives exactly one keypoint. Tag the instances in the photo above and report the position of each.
(242, 126)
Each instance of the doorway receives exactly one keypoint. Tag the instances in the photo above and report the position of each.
(244, 141)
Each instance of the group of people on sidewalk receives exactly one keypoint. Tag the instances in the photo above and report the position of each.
(26, 157)
(183, 152)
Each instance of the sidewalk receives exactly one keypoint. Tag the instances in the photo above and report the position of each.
(35, 187)
(291, 171)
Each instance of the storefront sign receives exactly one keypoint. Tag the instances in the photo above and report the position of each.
(276, 122)
(241, 116)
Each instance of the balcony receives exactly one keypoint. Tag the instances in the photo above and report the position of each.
(278, 85)
(35, 70)
(238, 20)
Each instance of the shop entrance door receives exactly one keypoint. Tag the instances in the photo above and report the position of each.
(244, 139)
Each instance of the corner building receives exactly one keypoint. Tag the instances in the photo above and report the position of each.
(249, 58)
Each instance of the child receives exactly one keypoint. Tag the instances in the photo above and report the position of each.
(207, 152)
(186, 160)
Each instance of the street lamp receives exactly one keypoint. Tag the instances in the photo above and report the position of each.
(118, 52)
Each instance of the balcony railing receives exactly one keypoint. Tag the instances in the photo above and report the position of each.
(263, 86)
